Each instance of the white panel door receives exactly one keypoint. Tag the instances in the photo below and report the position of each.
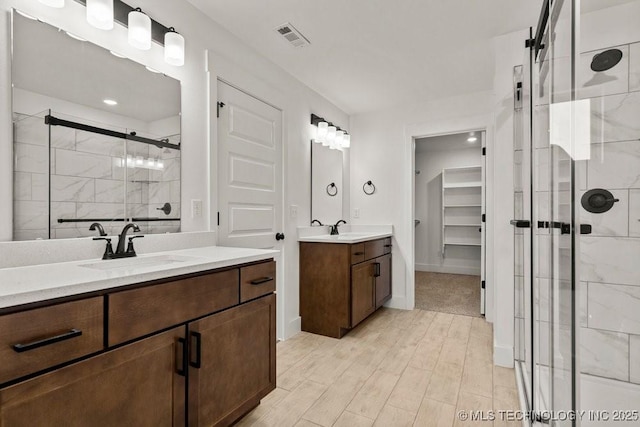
(249, 170)
(483, 226)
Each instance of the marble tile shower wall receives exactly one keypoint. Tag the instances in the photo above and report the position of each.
(89, 178)
(610, 256)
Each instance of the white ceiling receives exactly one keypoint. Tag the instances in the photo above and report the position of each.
(456, 141)
(371, 54)
(49, 62)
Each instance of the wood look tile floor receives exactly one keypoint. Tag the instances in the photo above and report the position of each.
(398, 368)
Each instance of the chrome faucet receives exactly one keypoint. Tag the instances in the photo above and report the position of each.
(334, 228)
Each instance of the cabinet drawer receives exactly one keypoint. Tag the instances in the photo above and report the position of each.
(257, 280)
(357, 253)
(387, 245)
(142, 311)
(374, 248)
(37, 339)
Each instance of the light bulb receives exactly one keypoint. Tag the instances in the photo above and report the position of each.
(100, 14)
(339, 139)
(173, 48)
(346, 141)
(139, 30)
(331, 135)
(53, 3)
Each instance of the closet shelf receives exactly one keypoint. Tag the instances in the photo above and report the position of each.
(463, 185)
(462, 206)
(463, 225)
(463, 243)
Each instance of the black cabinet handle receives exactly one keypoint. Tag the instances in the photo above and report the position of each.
(261, 280)
(198, 336)
(20, 348)
(358, 253)
(520, 223)
(182, 368)
(387, 246)
(377, 269)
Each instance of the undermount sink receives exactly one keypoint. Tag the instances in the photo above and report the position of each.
(137, 262)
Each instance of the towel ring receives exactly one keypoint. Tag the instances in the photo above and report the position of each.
(371, 186)
(329, 187)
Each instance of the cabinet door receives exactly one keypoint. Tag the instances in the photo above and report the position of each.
(362, 291)
(135, 385)
(232, 362)
(383, 281)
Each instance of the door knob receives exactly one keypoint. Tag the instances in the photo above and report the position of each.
(279, 236)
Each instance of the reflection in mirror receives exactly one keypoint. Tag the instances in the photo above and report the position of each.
(96, 138)
(326, 184)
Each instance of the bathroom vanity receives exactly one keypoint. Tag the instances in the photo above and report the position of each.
(186, 338)
(343, 280)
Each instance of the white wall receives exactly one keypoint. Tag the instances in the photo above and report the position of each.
(211, 53)
(382, 151)
(428, 209)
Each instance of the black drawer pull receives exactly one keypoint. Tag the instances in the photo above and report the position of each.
(376, 269)
(358, 253)
(261, 280)
(387, 246)
(19, 348)
(198, 363)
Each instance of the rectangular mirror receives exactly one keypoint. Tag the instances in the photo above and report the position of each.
(96, 138)
(326, 184)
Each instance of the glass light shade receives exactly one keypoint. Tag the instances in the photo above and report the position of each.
(53, 3)
(323, 128)
(346, 141)
(339, 138)
(100, 13)
(174, 49)
(139, 30)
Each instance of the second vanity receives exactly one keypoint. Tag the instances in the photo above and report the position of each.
(180, 338)
(343, 279)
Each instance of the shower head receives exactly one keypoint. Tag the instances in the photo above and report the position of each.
(606, 60)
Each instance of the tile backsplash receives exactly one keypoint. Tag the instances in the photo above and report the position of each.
(62, 173)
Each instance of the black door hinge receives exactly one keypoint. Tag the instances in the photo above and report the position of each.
(484, 151)
(219, 105)
(483, 284)
(530, 43)
(484, 217)
(218, 218)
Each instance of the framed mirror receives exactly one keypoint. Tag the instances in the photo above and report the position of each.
(96, 138)
(326, 184)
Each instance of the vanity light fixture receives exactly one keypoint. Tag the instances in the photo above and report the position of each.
(139, 29)
(173, 48)
(100, 14)
(330, 135)
(110, 102)
(53, 3)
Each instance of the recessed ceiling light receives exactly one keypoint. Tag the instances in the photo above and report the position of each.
(152, 70)
(472, 139)
(116, 54)
(26, 15)
(110, 102)
(73, 36)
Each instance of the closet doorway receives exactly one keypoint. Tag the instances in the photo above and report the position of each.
(449, 223)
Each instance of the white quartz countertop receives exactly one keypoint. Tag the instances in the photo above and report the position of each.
(348, 234)
(24, 285)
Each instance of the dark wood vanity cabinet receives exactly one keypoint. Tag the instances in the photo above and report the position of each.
(170, 353)
(342, 284)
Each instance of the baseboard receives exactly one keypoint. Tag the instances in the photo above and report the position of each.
(433, 268)
(503, 356)
(293, 327)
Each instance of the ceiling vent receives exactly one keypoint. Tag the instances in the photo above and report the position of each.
(293, 36)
